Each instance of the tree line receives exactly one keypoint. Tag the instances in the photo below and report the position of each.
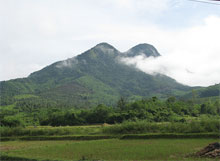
(152, 110)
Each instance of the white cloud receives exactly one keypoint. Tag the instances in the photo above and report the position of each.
(191, 56)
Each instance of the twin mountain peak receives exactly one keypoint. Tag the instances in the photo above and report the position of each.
(105, 54)
(140, 49)
(93, 77)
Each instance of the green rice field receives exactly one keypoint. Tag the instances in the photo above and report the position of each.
(107, 149)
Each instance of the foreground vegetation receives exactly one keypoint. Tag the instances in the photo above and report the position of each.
(128, 127)
(148, 129)
(112, 149)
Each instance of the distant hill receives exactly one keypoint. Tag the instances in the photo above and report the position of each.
(204, 93)
(96, 76)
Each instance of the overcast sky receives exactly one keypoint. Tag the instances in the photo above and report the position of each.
(36, 33)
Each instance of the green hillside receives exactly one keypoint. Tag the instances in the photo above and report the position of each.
(96, 76)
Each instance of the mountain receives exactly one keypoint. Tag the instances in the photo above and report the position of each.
(96, 76)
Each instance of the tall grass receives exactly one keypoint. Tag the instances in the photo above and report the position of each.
(49, 131)
(140, 127)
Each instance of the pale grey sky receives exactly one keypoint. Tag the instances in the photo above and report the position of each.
(36, 33)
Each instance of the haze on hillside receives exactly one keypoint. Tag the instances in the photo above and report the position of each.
(35, 34)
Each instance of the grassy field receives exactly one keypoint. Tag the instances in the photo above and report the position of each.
(111, 149)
